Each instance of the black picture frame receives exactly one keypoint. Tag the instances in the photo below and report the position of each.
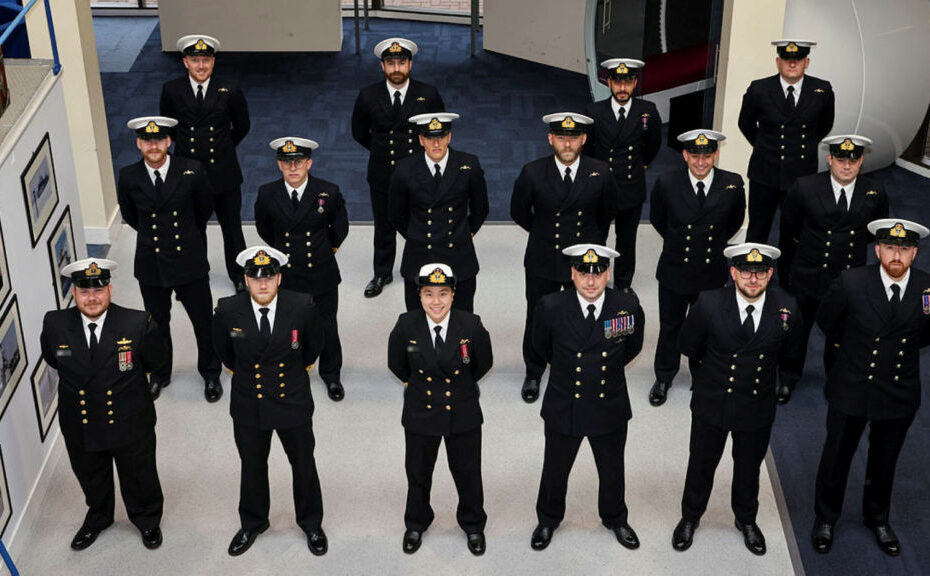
(40, 189)
(7, 507)
(61, 252)
(5, 282)
(13, 359)
(45, 395)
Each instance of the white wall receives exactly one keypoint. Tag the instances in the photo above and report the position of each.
(24, 454)
(258, 25)
(547, 31)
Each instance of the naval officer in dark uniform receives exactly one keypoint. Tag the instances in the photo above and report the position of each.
(627, 134)
(824, 231)
(213, 118)
(880, 316)
(269, 339)
(783, 117)
(696, 209)
(305, 218)
(440, 354)
(166, 200)
(438, 202)
(735, 336)
(379, 123)
(563, 199)
(102, 353)
(587, 335)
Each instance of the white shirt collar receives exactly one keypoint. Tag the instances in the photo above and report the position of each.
(432, 327)
(300, 189)
(797, 88)
(849, 190)
(598, 304)
(430, 164)
(162, 170)
(561, 167)
(888, 281)
(271, 310)
(741, 303)
(403, 90)
(206, 85)
(615, 106)
(708, 180)
(99, 322)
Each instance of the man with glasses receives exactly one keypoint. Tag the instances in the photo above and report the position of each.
(823, 232)
(305, 218)
(880, 317)
(379, 123)
(735, 337)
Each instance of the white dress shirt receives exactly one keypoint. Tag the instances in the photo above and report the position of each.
(431, 164)
(162, 170)
(99, 330)
(797, 88)
(615, 106)
(444, 325)
(708, 180)
(300, 189)
(888, 281)
(258, 315)
(194, 85)
(849, 191)
(561, 167)
(741, 303)
(598, 304)
(403, 91)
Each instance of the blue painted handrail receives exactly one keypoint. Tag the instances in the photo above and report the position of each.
(8, 561)
(18, 21)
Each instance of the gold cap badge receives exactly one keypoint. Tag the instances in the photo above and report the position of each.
(437, 277)
(590, 257)
(92, 270)
(701, 140)
(622, 69)
(152, 128)
(568, 122)
(898, 231)
(847, 145)
(288, 147)
(261, 259)
(200, 45)
(791, 47)
(754, 256)
(395, 48)
(435, 124)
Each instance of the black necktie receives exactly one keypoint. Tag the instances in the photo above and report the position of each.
(200, 94)
(264, 325)
(590, 317)
(568, 179)
(93, 339)
(841, 203)
(438, 342)
(749, 325)
(621, 115)
(158, 184)
(791, 97)
(437, 176)
(396, 101)
(700, 194)
(295, 200)
(895, 297)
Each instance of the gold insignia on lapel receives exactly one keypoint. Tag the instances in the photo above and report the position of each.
(152, 128)
(646, 115)
(731, 186)
(289, 147)
(701, 140)
(847, 145)
(622, 313)
(871, 193)
(754, 256)
(421, 99)
(323, 194)
(465, 167)
(123, 341)
(595, 173)
(223, 90)
(186, 172)
(64, 346)
(898, 232)
(568, 122)
(237, 329)
(464, 341)
(816, 90)
(412, 341)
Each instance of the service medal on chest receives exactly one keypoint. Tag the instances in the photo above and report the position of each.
(463, 348)
(925, 300)
(295, 340)
(785, 315)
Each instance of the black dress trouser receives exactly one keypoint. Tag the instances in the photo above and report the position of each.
(227, 205)
(535, 288)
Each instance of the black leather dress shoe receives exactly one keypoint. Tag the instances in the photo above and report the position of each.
(317, 542)
(822, 536)
(412, 541)
(213, 390)
(752, 537)
(86, 536)
(542, 535)
(626, 536)
(782, 393)
(243, 539)
(152, 538)
(335, 390)
(377, 285)
(530, 391)
(476, 543)
(683, 535)
(887, 539)
(659, 392)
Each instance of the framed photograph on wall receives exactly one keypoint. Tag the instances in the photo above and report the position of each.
(12, 353)
(45, 394)
(60, 254)
(40, 190)
(4, 273)
(5, 508)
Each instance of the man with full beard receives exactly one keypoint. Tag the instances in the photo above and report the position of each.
(627, 134)
(560, 200)
(880, 317)
(379, 123)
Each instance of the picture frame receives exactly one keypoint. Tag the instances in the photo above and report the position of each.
(13, 358)
(61, 253)
(45, 394)
(40, 189)
(6, 511)
(5, 282)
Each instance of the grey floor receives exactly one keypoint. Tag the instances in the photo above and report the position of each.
(360, 458)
